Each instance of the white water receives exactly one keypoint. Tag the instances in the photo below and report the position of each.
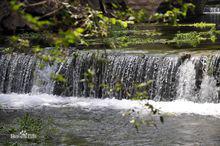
(211, 10)
(42, 81)
(187, 73)
(25, 101)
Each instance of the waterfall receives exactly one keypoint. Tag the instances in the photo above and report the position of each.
(211, 10)
(16, 73)
(173, 77)
(209, 90)
(187, 79)
(211, 14)
(42, 79)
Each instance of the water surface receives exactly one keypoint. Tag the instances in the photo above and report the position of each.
(89, 121)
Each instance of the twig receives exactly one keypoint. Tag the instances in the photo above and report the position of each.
(51, 13)
(36, 4)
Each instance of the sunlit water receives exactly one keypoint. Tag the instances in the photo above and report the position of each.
(90, 121)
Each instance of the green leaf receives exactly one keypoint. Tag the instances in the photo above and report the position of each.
(142, 85)
(58, 77)
(123, 23)
(113, 20)
(213, 38)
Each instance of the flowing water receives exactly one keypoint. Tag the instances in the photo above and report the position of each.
(185, 88)
(211, 14)
(87, 109)
(89, 121)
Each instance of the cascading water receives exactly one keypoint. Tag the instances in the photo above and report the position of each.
(126, 69)
(212, 10)
(187, 78)
(42, 79)
(209, 88)
(181, 84)
(16, 73)
(173, 77)
(211, 14)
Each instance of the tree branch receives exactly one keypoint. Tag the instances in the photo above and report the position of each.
(36, 4)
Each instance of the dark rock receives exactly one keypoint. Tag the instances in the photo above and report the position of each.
(10, 21)
(184, 57)
(4, 9)
(13, 21)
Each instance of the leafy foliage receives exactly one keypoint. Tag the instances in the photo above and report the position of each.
(77, 24)
(194, 38)
(42, 129)
(30, 124)
(33, 22)
(175, 13)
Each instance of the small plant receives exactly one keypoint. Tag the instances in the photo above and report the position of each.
(89, 78)
(191, 38)
(195, 38)
(200, 25)
(30, 125)
(30, 129)
(142, 90)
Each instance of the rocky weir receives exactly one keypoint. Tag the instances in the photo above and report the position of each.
(91, 74)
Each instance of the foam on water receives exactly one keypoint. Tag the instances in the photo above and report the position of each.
(25, 101)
